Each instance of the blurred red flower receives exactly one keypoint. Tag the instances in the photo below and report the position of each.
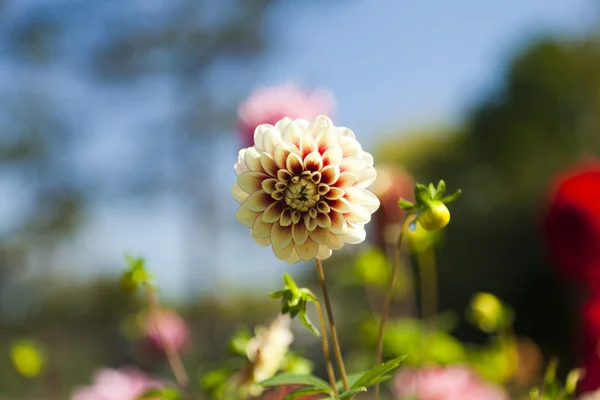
(572, 224)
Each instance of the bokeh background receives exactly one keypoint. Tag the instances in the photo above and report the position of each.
(118, 134)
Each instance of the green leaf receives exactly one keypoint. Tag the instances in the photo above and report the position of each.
(350, 393)
(278, 294)
(432, 191)
(441, 190)
(307, 323)
(572, 379)
(308, 295)
(167, 393)
(452, 197)
(289, 283)
(305, 392)
(371, 377)
(352, 378)
(295, 379)
(422, 194)
(406, 205)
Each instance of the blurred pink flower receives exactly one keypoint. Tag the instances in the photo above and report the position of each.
(172, 327)
(268, 105)
(113, 384)
(444, 383)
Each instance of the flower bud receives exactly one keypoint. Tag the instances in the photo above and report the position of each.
(487, 312)
(435, 217)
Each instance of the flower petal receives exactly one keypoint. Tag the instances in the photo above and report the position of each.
(327, 137)
(238, 194)
(293, 164)
(240, 166)
(307, 250)
(335, 193)
(273, 212)
(333, 156)
(358, 215)
(251, 182)
(286, 217)
(345, 132)
(324, 252)
(293, 133)
(300, 233)
(285, 252)
(252, 159)
(323, 220)
(268, 164)
(330, 174)
(320, 235)
(261, 229)
(264, 242)
(363, 197)
(294, 257)
(259, 132)
(340, 205)
(283, 123)
(309, 144)
(258, 201)
(281, 236)
(271, 139)
(355, 235)
(346, 179)
(336, 242)
(338, 223)
(313, 162)
(269, 185)
(367, 178)
(350, 146)
(246, 216)
(317, 124)
(310, 223)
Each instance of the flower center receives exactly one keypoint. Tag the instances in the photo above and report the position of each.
(302, 195)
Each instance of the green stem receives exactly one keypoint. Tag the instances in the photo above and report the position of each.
(387, 303)
(326, 350)
(334, 337)
(429, 289)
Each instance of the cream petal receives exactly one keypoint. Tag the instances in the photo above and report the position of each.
(250, 182)
(307, 250)
(294, 164)
(336, 242)
(271, 139)
(367, 158)
(273, 212)
(293, 133)
(309, 222)
(259, 132)
(295, 217)
(283, 175)
(313, 162)
(327, 137)
(323, 207)
(280, 154)
(285, 252)
(302, 123)
(252, 159)
(330, 174)
(320, 235)
(261, 229)
(317, 124)
(346, 179)
(293, 258)
(309, 144)
(356, 195)
(281, 236)
(355, 165)
(264, 242)
(286, 217)
(269, 185)
(367, 178)
(268, 164)
(345, 132)
(258, 201)
(238, 194)
(323, 220)
(333, 156)
(283, 123)
(246, 216)
(335, 193)
(340, 205)
(240, 166)
(351, 147)
(300, 233)
(324, 252)
(355, 235)
(338, 223)
(358, 215)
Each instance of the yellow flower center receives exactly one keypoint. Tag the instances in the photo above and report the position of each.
(301, 195)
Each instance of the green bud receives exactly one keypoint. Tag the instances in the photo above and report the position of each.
(435, 216)
(487, 312)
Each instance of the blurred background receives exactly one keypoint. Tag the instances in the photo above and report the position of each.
(118, 133)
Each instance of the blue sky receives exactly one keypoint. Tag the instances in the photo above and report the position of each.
(392, 65)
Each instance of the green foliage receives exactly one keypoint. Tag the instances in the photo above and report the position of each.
(239, 341)
(136, 274)
(552, 388)
(372, 267)
(166, 393)
(294, 300)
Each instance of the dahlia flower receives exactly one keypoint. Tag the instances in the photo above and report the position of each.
(303, 188)
(269, 105)
(111, 384)
(170, 325)
(444, 383)
(266, 351)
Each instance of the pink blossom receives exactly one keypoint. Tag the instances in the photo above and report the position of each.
(444, 383)
(173, 328)
(268, 105)
(116, 384)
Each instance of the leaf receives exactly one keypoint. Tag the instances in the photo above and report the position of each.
(278, 294)
(432, 191)
(167, 393)
(350, 393)
(295, 379)
(572, 379)
(289, 283)
(406, 205)
(441, 190)
(304, 319)
(422, 194)
(305, 392)
(452, 197)
(352, 378)
(371, 377)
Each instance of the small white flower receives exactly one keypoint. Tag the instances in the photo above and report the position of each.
(267, 350)
(303, 188)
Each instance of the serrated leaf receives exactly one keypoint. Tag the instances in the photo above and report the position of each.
(441, 190)
(371, 377)
(350, 393)
(406, 205)
(167, 393)
(305, 392)
(307, 323)
(452, 197)
(295, 379)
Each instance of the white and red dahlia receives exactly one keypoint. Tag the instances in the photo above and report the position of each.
(303, 188)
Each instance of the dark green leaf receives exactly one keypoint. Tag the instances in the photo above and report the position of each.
(452, 197)
(441, 190)
(167, 393)
(295, 379)
(422, 194)
(371, 377)
(307, 391)
(307, 323)
(352, 378)
(350, 393)
(278, 294)
(406, 205)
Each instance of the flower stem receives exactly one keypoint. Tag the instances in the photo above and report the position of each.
(387, 303)
(326, 350)
(334, 336)
(170, 351)
(429, 290)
